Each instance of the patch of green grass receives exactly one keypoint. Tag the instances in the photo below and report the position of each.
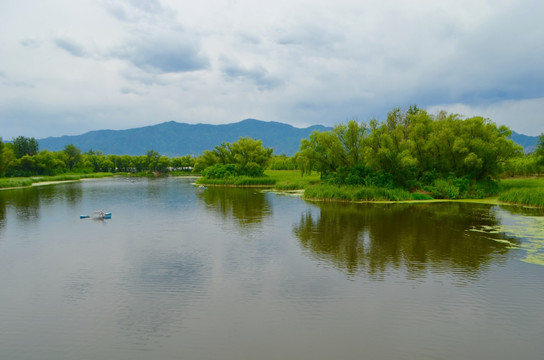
(28, 181)
(15, 182)
(533, 182)
(239, 181)
(292, 179)
(421, 196)
(180, 173)
(279, 179)
(355, 193)
(524, 196)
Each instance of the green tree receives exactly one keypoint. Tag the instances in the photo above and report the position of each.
(163, 163)
(207, 159)
(282, 162)
(49, 163)
(73, 156)
(2, 161)
(24, 146)
(248, 156)
(140, 162)
(409, 147)
(247, 150)
(152, 160)
(186, 162)
(540, 149)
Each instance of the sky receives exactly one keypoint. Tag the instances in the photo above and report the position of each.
(68, 67)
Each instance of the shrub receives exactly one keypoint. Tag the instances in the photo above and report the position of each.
(355, 193)
(421, 196)
(219, 171)
(443, 189)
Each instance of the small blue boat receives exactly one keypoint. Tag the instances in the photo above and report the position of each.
(98, 215)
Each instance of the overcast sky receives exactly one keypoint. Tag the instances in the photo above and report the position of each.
(68, 67)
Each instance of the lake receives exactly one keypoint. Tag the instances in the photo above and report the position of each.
(229, 273)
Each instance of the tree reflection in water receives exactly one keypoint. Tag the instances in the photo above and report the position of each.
(378, 238)
(27, 202)
(248, 206)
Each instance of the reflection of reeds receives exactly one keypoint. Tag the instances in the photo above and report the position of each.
(524, 196)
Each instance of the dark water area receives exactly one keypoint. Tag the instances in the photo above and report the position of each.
(228, 273)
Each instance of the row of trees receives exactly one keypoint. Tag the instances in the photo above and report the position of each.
(22, 158)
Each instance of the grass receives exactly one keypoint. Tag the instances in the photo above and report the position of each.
(28, 181)
(239, 181)
(279, 179)
(355, 193)
(15, 182)
(522, 191)
(524, 196)
(292, 179)
(516, 183)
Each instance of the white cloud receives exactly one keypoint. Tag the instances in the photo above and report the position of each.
(85, 65)
(523, 116)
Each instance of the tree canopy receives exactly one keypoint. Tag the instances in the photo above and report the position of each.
(246, 156)
(410, 146)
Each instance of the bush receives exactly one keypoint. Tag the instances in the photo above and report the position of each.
(359, 175)
(355, 193)
(421, 196)
(250, 169)
(443, 189)
(219, 171)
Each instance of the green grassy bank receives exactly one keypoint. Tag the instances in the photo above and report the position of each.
(519, 191)
(29, 181)
(522, 191)
(277, 179)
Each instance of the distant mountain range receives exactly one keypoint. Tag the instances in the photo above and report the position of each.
(528, 142)
(178, 139)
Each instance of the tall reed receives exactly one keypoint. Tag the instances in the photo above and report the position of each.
(524, 196)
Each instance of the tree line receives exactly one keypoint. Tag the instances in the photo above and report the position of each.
(416, 150)
(21, 157)
(410, 149)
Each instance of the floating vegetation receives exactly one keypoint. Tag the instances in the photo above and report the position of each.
(529, 230)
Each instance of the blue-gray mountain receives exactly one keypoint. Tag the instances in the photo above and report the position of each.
(178, 139)
(528, 142)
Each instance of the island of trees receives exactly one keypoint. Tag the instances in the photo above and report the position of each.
(412, 155)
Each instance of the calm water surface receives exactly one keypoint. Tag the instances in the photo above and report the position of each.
(179, 273)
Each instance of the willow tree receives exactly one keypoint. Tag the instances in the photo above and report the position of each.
(247, 156)
(540, 149)
(332, 150)
(411, 145)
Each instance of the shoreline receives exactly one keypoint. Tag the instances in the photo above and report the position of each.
(49, 182)
(300, 193)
